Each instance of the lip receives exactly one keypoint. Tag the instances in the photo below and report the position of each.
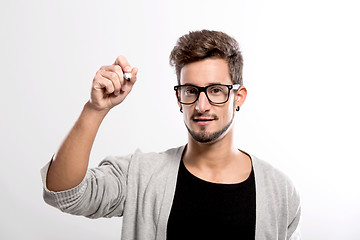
(203, 121)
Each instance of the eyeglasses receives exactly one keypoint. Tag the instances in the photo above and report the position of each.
(215, 93)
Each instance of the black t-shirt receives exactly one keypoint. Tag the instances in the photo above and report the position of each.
(205, 210)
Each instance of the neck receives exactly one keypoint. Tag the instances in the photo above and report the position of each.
(211, 155)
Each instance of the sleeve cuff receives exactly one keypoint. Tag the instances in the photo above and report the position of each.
(61, 199)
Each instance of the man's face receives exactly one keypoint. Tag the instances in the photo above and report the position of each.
(205, 121)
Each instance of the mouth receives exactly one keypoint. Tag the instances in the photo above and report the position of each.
(203, 120)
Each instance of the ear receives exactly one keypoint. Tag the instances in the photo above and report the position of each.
(240, 96)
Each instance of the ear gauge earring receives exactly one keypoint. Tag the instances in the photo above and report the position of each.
(237, 108)
(181, 109)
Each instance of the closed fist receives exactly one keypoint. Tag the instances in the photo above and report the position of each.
(109, 86)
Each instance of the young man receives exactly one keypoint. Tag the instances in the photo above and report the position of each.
(207, 189)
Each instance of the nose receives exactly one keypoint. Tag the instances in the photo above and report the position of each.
(202, 104)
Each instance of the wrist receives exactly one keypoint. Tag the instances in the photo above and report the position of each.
(92, 110)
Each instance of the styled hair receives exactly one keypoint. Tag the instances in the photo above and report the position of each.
(199, 45)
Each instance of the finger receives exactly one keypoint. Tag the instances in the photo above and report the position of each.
(117, 69)
(134, 72)
(113, 68)
(123, 63)
(114, 78)
(101, 83)
(129, 84)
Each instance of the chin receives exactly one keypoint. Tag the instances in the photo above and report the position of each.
(203, 136)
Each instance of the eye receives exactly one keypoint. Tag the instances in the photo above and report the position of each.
(190, 91)
(215, 90)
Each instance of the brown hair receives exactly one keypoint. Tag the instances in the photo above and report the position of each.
(198, 45)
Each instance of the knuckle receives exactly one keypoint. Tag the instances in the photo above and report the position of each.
(98, 73)
(108, 83)
(117, 68)
(96, 78)
(112, 75)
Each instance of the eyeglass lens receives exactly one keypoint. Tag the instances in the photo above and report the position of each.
(215, 93)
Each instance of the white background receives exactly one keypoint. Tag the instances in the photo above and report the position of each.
(301, 115)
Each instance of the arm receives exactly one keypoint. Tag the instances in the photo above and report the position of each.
(294, 227)
(294, 215)
(109, 89)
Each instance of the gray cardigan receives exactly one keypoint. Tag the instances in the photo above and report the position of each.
(140, 187)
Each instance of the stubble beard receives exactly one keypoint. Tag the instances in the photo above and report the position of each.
(206, 137)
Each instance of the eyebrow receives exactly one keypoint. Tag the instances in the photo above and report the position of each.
(206, 85)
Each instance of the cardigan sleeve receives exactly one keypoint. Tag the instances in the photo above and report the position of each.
(101, 193)
(278, 208)
(295, 216)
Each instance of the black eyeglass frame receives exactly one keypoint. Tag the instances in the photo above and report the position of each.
(203, 89)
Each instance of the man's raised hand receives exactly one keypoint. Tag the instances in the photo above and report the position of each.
(109, 87)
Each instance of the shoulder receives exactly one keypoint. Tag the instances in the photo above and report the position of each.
(274, 182)
(268, 173)
(145, 161)
(170, 153)
(167, 156)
